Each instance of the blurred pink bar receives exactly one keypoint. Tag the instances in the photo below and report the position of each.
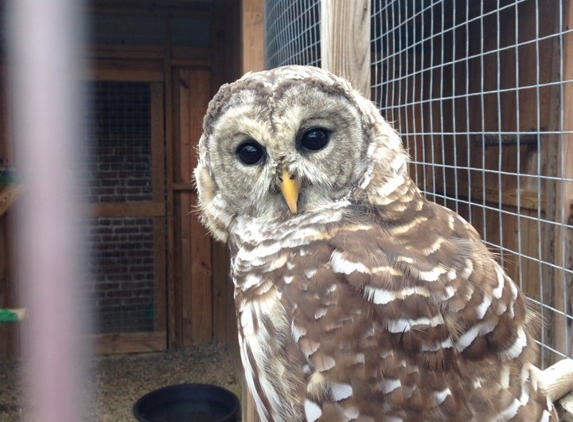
(44, 44)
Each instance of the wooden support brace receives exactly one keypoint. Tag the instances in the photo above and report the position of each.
(345, 41)
(557, 379)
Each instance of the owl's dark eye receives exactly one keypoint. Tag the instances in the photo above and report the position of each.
(250, 153)
(314, 139)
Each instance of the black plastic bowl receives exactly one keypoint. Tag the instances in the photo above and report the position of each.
(187, 403)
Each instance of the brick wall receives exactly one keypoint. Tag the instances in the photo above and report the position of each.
(121, 267)
(118, 162)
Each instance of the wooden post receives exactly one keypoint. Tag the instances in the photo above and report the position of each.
(563, 281)
(345, 41)
(253, 34)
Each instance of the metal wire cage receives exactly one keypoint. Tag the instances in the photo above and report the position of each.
(292, 33)
(480, 93)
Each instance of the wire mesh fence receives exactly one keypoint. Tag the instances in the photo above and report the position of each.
(480, 93)
(292, 33)
(119, 171)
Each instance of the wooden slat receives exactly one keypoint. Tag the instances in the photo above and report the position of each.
(253, 35)
(345, 40)
(157, 143)
(182, 173)
(127, 209)
(253, 60)
(511, 197)
(563, 281)
(202, 299)
(185, 186)
(173, 323)
(155, 341)
(227, 66)
(191, 56)
(126, 52)
(127, 70)
(158, 192)
(193, 260)
(153, 56)
(200, 94)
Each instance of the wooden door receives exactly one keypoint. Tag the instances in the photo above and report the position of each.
(196, 297)
(126, 179)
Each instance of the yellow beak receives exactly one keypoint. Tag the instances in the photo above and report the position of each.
(289, 188)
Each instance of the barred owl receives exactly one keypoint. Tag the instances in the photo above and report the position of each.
(357, 299)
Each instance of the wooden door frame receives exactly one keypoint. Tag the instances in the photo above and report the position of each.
(155, 340)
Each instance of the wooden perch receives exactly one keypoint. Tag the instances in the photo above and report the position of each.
(12, 315)
(557, 379)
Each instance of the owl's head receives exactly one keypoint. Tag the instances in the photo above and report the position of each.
(291, 140)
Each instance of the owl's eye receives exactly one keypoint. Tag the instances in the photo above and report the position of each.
(250, 153)
(314, 139)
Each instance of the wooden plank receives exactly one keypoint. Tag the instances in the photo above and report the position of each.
(227, 66)
(252, 31)
(183, 170)
(345, 41)
(200, 252)
(563, 281)
(126, 70)
(126, 209)
(126, 52)
(152, 55)
(155, 341)
(158, 195)
(194, 257)
(171, 111)
(200, 95)
(253, 35)
(185, 186)
(186, 272)
(202, 299)
(512, 197)
(157, 143)
(193, 56)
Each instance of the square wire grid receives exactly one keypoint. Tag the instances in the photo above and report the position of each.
(292, 32)
(480, 93)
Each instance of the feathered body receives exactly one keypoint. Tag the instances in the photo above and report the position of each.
(367, 302)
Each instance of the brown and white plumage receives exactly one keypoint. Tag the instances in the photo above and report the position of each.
(363, 301)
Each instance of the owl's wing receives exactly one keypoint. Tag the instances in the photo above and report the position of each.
(432, 280)
(421, 312)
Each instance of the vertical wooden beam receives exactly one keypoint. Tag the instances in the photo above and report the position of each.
(227, 66)
(174, 337)
(563, 236)
(253, 33)
(192, 260)
(200, 252)
(345, 41)
(158, 192)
